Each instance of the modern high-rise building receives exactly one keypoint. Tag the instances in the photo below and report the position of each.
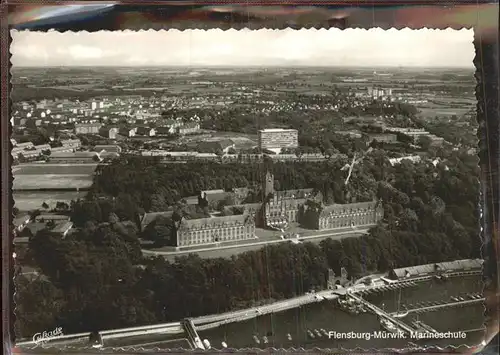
(278, 138)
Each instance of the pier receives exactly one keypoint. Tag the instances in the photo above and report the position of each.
(381, 313)
(189, 328)
(440, 306)
(424, 327)
(192, 334)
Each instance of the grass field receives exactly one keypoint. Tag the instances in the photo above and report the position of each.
(51, 181)
(241, 140)
(55, 169)
(28, 201)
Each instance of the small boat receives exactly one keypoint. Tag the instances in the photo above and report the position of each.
(310, 334)
(289, 337)
(388, 325)
(256, 339)
(224, 345)
(401, 314)
(317, 333)
(265, 339)
(324, 332)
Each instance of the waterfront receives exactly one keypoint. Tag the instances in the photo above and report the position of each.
(429, 291)
(326, 315)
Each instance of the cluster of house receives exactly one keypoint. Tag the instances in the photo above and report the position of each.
(388, 134)
(128, 116)
(66, 153)
(111, 132)
(465, 265)
(25, 226)
(375, 92)
(278, 211)
(27, 151)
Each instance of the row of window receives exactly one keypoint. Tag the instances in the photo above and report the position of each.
(353, 211)
(216, 235)
(346, 222)
(348, 215)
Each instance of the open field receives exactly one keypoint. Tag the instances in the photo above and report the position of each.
(31, 200)
(441, 111)
(56, 169)
(51, 181)
(39, 176)
(241, 140)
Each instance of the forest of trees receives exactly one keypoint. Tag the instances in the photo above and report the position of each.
(97, 278)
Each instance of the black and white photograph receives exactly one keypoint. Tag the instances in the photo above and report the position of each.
(209, 189)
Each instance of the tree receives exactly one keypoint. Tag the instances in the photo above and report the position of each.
(161, 231)
(227, 201)
(38, 305)
(62, 206)
(425, 142)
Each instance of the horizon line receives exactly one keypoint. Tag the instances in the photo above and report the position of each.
(208, 66)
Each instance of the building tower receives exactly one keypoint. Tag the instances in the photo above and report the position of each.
(331, 280)
(268, 184)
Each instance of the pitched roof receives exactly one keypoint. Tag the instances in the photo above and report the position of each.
(62, 227)
(295, 194)
(339, 208)
(148, 218)
(88, 124)
(211, 222)
(20, 220)
(74, 155)
(465, 264)
(108, 148)
(51, 217)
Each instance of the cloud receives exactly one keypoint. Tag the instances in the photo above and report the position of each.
(85, 52)
(351, 47)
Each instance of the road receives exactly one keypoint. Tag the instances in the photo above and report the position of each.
(228, 251)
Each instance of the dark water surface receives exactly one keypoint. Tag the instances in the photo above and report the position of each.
(296, 322)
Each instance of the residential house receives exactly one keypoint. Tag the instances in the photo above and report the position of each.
(188, 128)
(412, 158)
(146, 131)
(20, 223)
(111, 148)
(61, 229)
(76, 157)
(42, 147)
(30, 155)
(165, 130)
(26, 145)
(107, 156)
(87, 128)
(73, 143)
(109, 132)
(148, 218)
(62, 150)
(381, 137)
(52, 218)
(127, 132)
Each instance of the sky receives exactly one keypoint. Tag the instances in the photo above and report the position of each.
(306, 47)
